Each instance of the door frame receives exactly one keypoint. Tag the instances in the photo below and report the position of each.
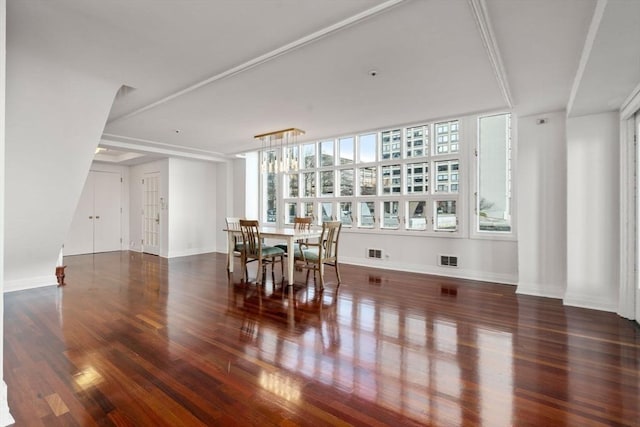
(146, 248)
(629, 295)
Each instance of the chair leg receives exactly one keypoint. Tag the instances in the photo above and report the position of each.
(338, 272)
(282, 268)
(259, 275)
(321, 274)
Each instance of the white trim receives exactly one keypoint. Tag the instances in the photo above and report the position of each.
(146, 146)
(626, 294)
(30, 283)
(5, 417)
(631, 105)
(541, 289)
(586, 51)
(189, 252)
(481, 16)
(590, 303)
(259, 60)
(459, 273)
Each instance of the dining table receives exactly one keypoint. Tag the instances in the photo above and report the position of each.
(289, 235)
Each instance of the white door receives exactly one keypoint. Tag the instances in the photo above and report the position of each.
(151, 213)
(107, 212)
(80, 237)
(96, 223)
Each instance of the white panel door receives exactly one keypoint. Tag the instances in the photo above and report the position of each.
(80, 237)
(96, 225)
(151, 213)
(107, 212)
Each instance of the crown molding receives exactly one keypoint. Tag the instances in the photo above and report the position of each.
(481, 16)
(140, 145)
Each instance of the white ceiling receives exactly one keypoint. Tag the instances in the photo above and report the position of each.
(208, 75)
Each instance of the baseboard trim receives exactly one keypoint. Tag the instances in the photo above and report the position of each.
(458, 273)
(189, 252)
(5, 417)
(540, 290)
(29, 283)
(582, 301)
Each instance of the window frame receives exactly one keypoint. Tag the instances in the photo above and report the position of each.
(468, 135)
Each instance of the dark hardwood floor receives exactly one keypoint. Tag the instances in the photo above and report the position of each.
(137, 340)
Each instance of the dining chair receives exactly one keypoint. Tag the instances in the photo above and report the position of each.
(253, 249)
(325, 252)
(301, 223)
(234, 224)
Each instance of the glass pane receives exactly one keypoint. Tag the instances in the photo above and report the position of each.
(417, 215)
(291, 158)
(447, 176)
(417, 141)
(327, 211)
(494, 173)
(417, 178)
(346, 215)
(291, 185)
(447, 137)
(367, 146)
(271, 197)
(290, 208)
(445, 215)
(390, 218)
(307, 209)
(309, 184)
(309, 156)
(367, 214)
(346, 182)
(326, 183)
(391, 179)
(368, 178)
(391, 142)
(346, 150)
(269, 161)
(326, 153)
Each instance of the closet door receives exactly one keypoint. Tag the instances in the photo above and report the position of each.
(106, 220)
(96, 225)
(80, 237)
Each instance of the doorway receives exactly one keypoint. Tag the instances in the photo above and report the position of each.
(151, 213)
(96, 224)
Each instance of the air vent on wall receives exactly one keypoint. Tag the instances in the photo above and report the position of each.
(374, 253)
(448, 261)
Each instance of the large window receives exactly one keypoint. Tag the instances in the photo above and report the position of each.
(493, 201)
(414, 179)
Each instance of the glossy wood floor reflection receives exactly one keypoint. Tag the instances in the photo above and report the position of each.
(136, 340)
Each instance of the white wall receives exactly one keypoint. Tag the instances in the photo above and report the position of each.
(593, 211)
(478, 259)
(52, 130)
(5, 416)
(136, 175)
(542, 243)
(192, 207)
(482, 259)
(230, 182)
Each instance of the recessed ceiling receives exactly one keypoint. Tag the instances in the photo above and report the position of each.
(222, 71)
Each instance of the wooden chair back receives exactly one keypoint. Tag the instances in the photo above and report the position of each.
(252, 243)
(302, 223)
(329, 241)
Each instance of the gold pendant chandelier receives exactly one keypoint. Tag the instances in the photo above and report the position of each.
(279, 150)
